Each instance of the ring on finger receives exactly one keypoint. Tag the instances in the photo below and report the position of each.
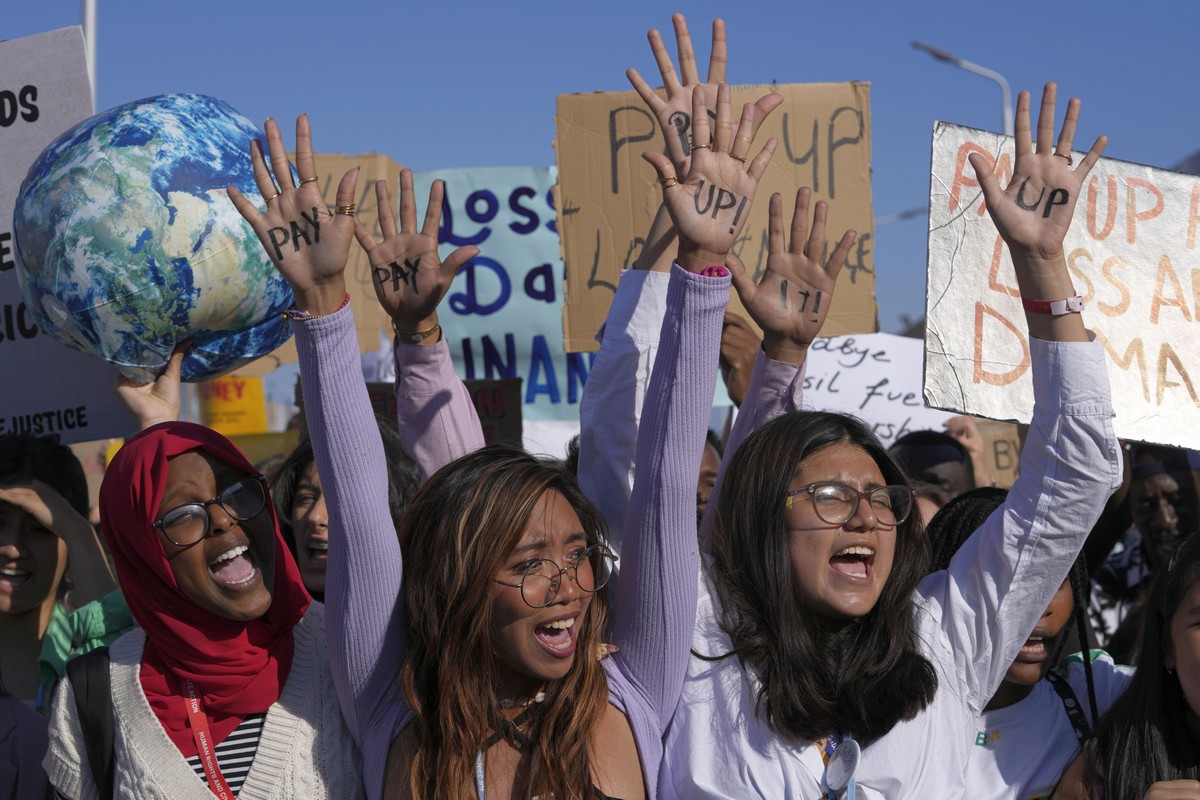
(348, 210)
(272, 197)
(667, 183)
(309, 180)
(737, 157)
(1070, 159)
(702, 147)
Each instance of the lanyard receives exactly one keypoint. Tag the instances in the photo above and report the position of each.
(203, 738)
(841, 754)
(1070, 703)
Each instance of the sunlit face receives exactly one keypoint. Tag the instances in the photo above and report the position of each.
(1184, 657)
(1031, 664)
(710, 465)
(310, 526)
(230, 572)
(32, 562)
(840, 570)
(538, 644)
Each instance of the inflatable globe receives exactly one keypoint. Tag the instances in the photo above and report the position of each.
(128, 244)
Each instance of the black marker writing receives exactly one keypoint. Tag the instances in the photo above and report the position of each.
(738, 215)
(707, 205)
(396, 273)
(682, 123)
(807, 295)
(1020, 199)
(1058, 197)
(280, 236)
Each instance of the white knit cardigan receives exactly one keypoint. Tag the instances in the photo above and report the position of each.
(305, 750)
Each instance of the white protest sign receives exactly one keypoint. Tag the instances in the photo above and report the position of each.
(47, 387)
(875, 377)
(1131, 253)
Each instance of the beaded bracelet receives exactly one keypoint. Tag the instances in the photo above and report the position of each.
(295, 315)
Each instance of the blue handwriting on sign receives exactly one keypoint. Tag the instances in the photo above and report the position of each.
(482, 206)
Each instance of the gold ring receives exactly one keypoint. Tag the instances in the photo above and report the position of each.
(309, 180)
(1070, 159)
(272, 197)
(667, 183)
(347, 210)
(738, 158)
(702, 147)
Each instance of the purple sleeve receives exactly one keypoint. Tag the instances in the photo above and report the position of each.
(437, 420)
(365, 628)
(656, 607)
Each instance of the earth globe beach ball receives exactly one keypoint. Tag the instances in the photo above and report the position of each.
(127, 244)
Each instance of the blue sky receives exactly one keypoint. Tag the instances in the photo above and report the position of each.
(459, 84)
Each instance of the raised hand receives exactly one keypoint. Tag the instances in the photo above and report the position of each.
(740, 344)
(410, 278)
(308, 243)
(159, 401)
(674, 114)
(710, 205)
(1034, 211)
(791, 301)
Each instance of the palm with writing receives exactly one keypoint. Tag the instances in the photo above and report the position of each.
(674, 114)
(710, 205)
(1033, 213)
(792, 300)
(410, 277)
(308, 243)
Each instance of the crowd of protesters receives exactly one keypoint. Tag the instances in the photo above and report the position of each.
(790, 611)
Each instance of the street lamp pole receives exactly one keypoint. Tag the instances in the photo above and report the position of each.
(990, 74)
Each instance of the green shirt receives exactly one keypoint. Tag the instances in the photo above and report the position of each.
(73, 633)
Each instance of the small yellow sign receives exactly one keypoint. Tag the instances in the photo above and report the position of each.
(234, 405)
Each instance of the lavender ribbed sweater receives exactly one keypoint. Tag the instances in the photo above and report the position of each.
(654, 615)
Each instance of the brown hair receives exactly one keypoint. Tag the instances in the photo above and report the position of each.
(455, 535)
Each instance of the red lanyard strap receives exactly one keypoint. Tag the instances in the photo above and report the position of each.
(204, 746)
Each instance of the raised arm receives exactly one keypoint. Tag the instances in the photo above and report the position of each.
(434, 412)
(365, 629)
(656, 605)
(1000, 582)
(612, 404)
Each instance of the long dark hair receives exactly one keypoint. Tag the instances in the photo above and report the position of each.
(1145, 737)
(814, 680)
(456, 534)
(958, 520)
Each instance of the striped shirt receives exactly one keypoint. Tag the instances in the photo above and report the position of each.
(235, 754)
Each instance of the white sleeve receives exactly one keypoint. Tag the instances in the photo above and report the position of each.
(66, 761)
(1001, 580)
(611, 408)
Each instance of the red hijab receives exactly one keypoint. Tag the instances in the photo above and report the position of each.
(238, 668)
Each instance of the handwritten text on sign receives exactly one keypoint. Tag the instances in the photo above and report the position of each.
(503, 314)
(609, 194)
(1131, 253)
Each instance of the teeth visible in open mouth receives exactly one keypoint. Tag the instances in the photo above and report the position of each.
(561, 624)
(13, 573)
(229, 555)
(857, 551)
(318, 546)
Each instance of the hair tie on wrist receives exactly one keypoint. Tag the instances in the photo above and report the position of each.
(295, 315)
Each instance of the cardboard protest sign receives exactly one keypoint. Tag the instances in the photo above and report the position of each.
(503, 314)
(1131, 253)
(49, 388)
(607, 195)
(875, 377)
(369, 318)
(1001, 451)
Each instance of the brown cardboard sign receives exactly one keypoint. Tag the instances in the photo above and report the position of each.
(369, 317)
(607, 194)
(1001, 451)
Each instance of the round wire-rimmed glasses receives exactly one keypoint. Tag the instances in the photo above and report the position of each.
(836, 502)
(187, 524)
(540, 582)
